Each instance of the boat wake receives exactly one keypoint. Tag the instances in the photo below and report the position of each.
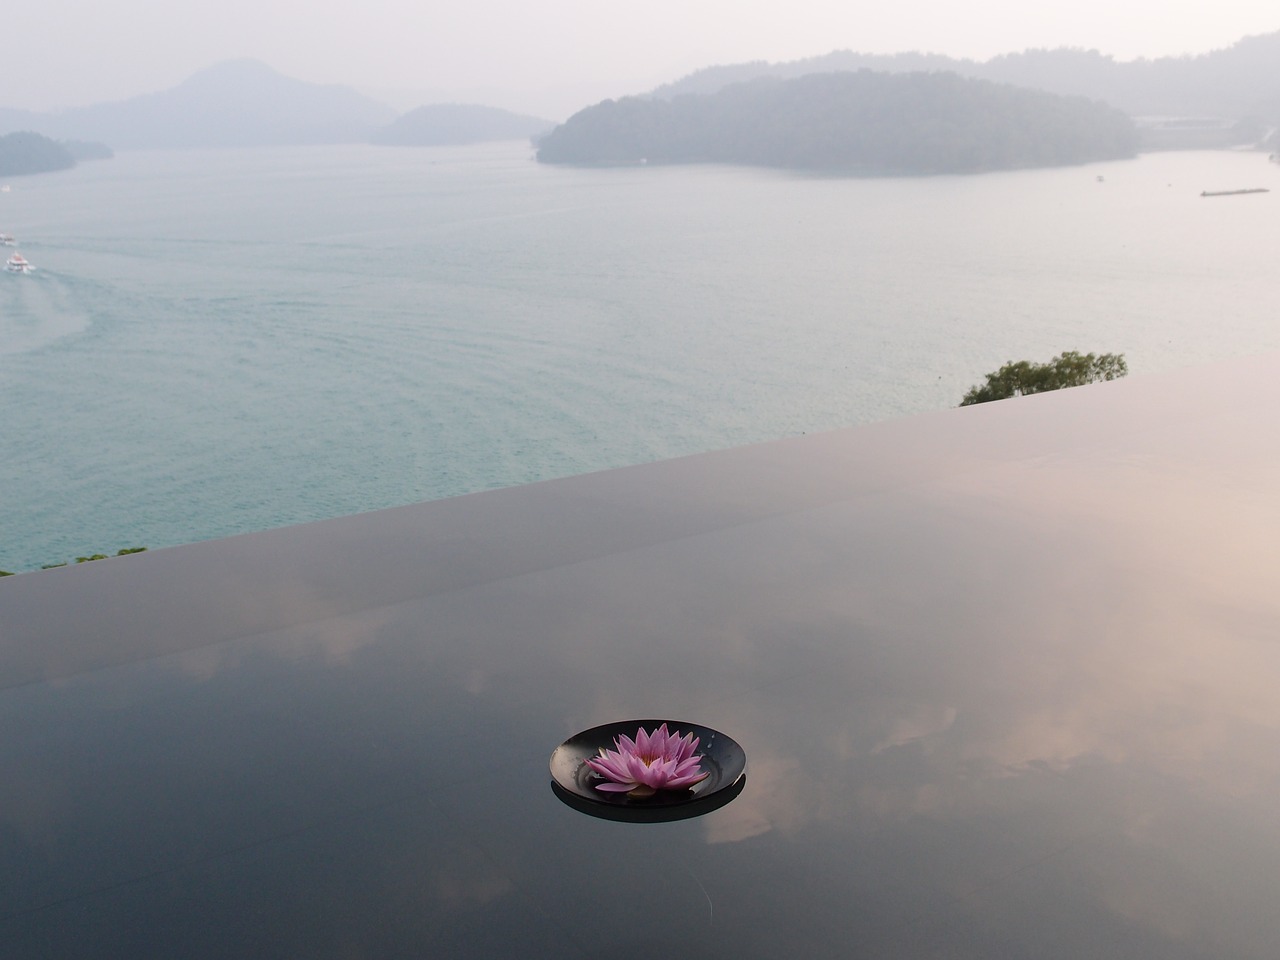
(38, 309)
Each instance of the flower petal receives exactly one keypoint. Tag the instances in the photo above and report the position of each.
(681, 783)
(688, 766)
(636, 768)
(658, 742)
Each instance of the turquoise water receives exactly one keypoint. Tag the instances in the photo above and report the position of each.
(223, 341)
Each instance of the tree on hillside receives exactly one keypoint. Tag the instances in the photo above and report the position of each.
(1068, 369)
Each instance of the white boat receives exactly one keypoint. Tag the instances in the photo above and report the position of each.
(18, 264)
(6, 239)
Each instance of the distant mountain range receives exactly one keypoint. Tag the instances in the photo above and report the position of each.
(1242, 81)
(922, 113)
(239, 103)
(245, 103)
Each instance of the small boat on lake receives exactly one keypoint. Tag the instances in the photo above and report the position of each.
(18, 264)
(1233, 193)
(6, 240)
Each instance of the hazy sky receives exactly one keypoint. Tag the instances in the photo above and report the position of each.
(549, 57)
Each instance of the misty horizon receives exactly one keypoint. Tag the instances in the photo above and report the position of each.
(550, 61)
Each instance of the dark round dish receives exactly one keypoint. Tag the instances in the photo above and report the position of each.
(574, 782)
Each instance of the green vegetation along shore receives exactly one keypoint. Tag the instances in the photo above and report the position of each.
(1068, 369)
(95, 556)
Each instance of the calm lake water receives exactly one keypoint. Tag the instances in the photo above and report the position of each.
(223, 341)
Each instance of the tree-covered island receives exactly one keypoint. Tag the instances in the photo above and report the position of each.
(863, 122)
(27, 152)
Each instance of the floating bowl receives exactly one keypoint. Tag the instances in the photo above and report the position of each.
(575, 783)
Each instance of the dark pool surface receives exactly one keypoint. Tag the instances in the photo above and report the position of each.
(1006, 678)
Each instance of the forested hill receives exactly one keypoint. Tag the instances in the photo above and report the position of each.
(26, 152)
(863, 122)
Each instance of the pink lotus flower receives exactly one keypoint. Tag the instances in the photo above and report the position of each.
(649, 763)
